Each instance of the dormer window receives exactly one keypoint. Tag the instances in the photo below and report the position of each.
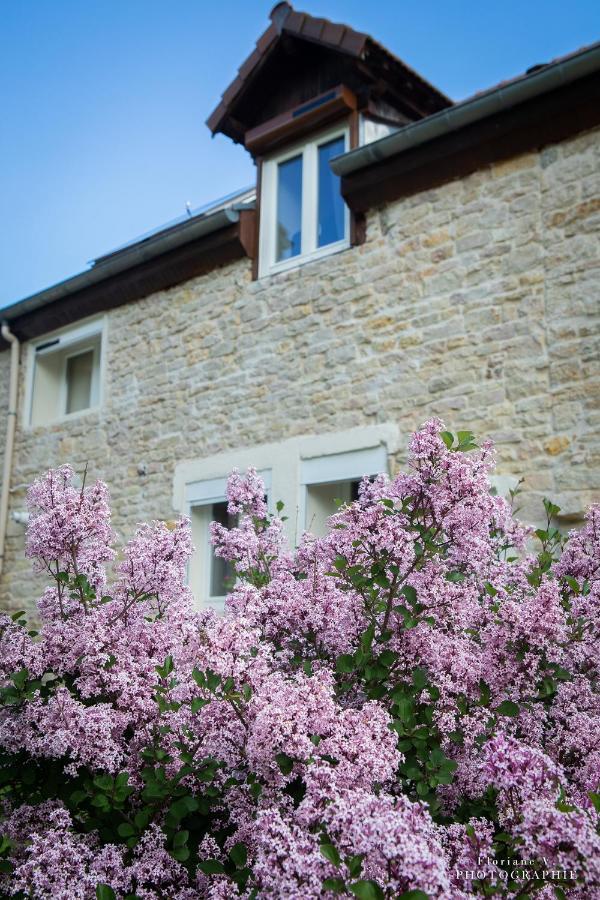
(303, 215)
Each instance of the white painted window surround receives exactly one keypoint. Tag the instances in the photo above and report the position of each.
(65, 372)
(289, 468)
(270, 179)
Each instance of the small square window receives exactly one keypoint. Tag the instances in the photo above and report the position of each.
(327, 480)
(323, 500)
(303, 214)
(211, 577)
(65, 375)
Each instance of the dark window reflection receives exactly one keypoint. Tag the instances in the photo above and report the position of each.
(289, 208)
(330, 220)
(222, 575)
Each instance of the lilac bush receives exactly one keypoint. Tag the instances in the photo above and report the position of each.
(405, 708)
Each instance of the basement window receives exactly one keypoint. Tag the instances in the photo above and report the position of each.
(210, 577)
(330, 481)
(65, 374)
(303, 215)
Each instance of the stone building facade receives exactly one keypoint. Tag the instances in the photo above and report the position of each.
(474, 299)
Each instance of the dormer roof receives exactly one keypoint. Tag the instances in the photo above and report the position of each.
(300, 57)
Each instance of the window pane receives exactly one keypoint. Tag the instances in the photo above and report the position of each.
(222, 574)
(330, 224)
(79, 381)
(289, 208)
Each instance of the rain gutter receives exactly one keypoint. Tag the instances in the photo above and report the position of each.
(128, 258)
(499, 99)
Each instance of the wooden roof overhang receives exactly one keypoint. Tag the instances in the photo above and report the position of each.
(125, 276)
(535, 123)
(299, 60)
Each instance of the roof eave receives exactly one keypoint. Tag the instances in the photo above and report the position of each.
(123, 260)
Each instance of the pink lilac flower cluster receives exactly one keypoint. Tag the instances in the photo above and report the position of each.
(377, 712)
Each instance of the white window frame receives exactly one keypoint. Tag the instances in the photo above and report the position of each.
(309, 251)
(284, 460)
(95, 382)
(349, 465)
(205, 493)
(58, 341)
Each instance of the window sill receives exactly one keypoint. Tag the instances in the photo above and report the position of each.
(296, 262)
(64, 419)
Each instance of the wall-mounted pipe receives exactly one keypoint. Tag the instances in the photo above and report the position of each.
(11, 422)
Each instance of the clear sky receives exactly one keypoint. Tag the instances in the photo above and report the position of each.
(103, 104)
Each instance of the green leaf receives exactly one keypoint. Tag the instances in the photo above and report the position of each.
(211, 867)
(212, 680)
(125, 830)
(142, 819)
(181, 838)
(354, 864)
(406, 708)
(104, 782)
(180, 853)
(336, 885)
(19, 678)
(387, 658)
(414, 895)
(508, 708)
(419, 678)
(105, 892)
(410, 593)
(239, 855)
(595, 798)
(199, 677)
(366, 890)
(285, 763)
(448, 438)
(166, 668)
(455, 576)
(331, 853)
(345, 663)
(197, 704)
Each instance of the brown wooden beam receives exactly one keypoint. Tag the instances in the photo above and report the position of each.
(529, 126)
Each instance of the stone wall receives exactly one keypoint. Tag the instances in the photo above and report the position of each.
(477, 302)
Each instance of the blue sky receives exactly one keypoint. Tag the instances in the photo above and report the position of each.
(104, 102)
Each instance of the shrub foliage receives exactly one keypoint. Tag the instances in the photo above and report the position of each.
(408, 707)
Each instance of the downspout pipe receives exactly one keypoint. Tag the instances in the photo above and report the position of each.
(11, 423)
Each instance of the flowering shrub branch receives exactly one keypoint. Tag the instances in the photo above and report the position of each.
(407, 707)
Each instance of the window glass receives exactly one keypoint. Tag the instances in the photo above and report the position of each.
(289, 208)
(222, 575)
(323, 500)
(79, 381)
(330, 222)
